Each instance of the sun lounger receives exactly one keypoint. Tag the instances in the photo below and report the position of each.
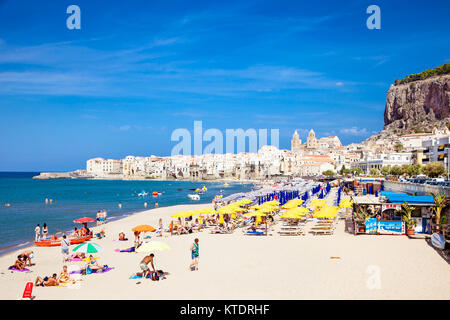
(254, 233)
(292, 232)
(221, 231)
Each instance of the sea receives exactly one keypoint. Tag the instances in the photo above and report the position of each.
(77, 198)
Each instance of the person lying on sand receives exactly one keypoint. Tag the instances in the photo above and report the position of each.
(26, 257)
(78, 255)
(64, 276)
(46, 282)
(122, 236)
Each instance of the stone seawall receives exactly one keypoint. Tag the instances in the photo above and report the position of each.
(415, 188)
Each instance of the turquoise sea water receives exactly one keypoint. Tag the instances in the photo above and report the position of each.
(76, 198)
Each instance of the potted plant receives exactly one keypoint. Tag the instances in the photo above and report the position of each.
(410, 222)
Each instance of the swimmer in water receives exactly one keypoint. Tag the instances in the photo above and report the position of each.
(8, 205)
(120, 205)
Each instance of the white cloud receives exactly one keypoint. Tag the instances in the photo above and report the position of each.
(125, 128)
(354, 131)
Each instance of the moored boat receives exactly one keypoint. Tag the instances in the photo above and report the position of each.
(57, 242)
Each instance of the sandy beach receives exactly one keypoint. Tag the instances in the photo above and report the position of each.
(235, 266)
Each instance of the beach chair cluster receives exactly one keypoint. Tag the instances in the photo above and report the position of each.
(324, 227)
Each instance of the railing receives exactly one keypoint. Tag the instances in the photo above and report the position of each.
(421, 189)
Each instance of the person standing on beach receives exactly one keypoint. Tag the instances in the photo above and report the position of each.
(37, 232)
(44, 231)
(156, 204)
(194, 255)
(65, 243)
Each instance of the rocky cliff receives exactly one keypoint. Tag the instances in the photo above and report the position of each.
(418, 105)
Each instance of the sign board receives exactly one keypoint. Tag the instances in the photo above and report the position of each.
(388, 206)
(374, 226)
(391, 227)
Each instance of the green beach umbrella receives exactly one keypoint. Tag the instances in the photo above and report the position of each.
(88, 248)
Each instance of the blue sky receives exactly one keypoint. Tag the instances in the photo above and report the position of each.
(137, 70)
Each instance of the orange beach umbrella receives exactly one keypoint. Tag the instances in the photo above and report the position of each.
(143, 228)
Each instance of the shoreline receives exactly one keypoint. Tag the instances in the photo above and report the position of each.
(30, 242)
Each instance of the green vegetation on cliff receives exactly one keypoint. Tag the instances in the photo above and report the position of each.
(443, 69)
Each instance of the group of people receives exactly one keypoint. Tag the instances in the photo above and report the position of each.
(37, 232)
(54, 280)
(23, 259)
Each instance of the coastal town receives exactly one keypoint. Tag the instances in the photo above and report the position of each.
(312, 158)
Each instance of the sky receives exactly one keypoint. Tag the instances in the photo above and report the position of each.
(138, 70)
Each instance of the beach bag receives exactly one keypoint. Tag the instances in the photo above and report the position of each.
(154, 276)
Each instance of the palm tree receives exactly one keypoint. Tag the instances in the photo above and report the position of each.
(407, 211)
(440, 202)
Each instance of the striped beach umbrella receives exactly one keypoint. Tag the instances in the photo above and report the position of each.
(88, 248)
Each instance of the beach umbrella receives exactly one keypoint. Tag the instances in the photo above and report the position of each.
(84, 220)
(88, 247)
(143, 228)
(291, 216)
(153, 246)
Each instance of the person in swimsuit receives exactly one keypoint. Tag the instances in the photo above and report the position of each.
(194, 255)
(137, 240)
(26, 256)
(64, 276)
(92, 264)
(46, 282)
(44, 231)
(144, 265)
(19, 264)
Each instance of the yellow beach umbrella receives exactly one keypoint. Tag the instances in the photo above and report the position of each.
(291, 216)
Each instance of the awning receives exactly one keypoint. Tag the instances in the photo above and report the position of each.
(397, 197)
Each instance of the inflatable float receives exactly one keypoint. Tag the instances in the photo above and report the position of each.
(57, 242)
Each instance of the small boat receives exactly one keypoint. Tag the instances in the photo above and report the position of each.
(57, 242)
(194, 196)
(226, 184)
(155, 194)
(143, 194)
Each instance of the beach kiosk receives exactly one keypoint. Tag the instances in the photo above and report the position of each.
(383, 214)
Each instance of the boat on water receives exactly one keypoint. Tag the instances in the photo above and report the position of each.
(57, 242)
(143, 194)
(194, 196)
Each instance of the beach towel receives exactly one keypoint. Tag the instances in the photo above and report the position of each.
(92, 271)
(125, 250)
(255, 233)
(12, 268)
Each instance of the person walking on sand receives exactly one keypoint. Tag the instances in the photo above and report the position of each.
(44, 231)
(65, 243)
(37, 232)
(144, 265)
(194, 255)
